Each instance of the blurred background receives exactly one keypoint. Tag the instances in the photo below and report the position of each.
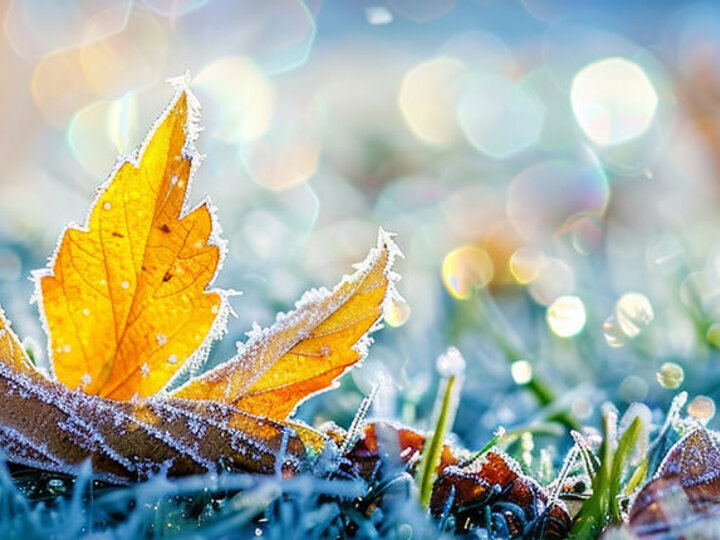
(552, 174)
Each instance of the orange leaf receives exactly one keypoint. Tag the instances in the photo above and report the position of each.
(306, 350)
(11, 351)
(125, 299)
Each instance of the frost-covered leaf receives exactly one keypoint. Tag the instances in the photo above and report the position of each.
(44, 424)
(126, 304)
(307, 349)
(125, 298)
(685, 489)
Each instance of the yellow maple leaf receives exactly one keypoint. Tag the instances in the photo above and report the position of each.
(125, 302)
(307, 349)
(125, 299)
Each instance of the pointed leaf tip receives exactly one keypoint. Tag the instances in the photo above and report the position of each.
(125, 298)
(307, 349)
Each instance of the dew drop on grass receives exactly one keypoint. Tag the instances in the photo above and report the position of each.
(634, 313)
(670, 375)
(614, 336)
(451, 362)
(521, 371)
(566, 316)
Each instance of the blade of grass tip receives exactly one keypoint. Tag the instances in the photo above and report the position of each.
(594, 511)
(622, 454)
(590, 461)
(433, 451)
(496, 438)
(637, 477)
(506, 339)
(607, 448)
(354, 431)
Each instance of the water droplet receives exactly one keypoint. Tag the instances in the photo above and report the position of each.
(86, 379)
(215, 309)
(174, 179)
(86, 312)
(397, 312)
(670, 375)
(451, 362)
(566, 316)
(633, 313)
(465, 269)
(56, 486)
(125, 284)
(702, 408)
(521, 371)
(172, 359)
(199, 244)
(161, 339)
(67, 348)
(102, 282)
(107, 205)
(614, 336)
(145, 369)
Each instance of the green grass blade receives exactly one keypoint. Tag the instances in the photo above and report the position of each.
(433, 451)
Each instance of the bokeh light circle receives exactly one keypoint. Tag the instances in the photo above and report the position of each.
(466, 269)
(427, 100)
(547, 196)
(566, 316)
(499, 118)
(241, 100)
(613, 101)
